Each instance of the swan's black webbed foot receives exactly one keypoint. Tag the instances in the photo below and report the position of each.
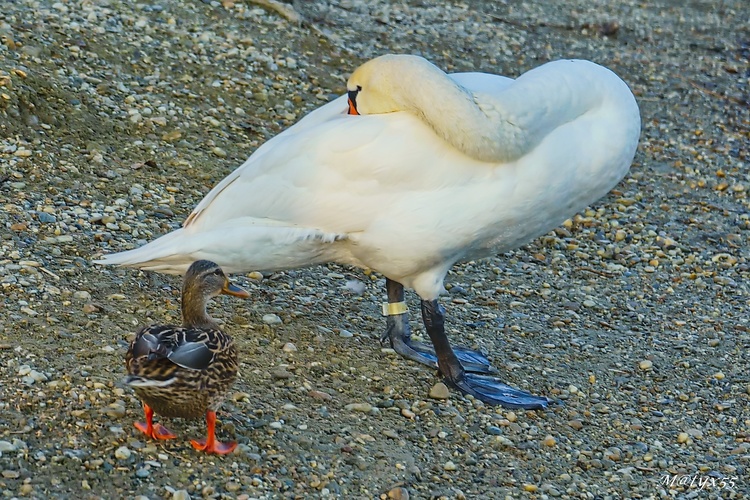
(492, 391)
(483, 387)
(398, 334)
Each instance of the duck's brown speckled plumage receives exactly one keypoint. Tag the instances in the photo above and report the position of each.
(186, 371)
(190, 391)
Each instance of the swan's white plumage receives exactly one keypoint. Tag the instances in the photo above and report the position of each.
(385, 191)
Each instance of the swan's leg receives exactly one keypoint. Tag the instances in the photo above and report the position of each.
(484, 387)
(398, 333)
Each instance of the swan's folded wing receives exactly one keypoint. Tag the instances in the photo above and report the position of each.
(255, 165)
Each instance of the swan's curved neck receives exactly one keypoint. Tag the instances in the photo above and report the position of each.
(455, 115)
(501, 125)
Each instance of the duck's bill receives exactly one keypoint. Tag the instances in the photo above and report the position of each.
(231, 289)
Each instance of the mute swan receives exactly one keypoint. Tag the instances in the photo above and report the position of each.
(420, 170)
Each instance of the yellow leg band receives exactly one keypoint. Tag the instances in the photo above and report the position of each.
(394, 308)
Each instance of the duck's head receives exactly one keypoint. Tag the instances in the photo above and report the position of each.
(204, 280)
(381, 85)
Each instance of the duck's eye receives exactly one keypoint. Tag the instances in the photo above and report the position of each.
(219, 272)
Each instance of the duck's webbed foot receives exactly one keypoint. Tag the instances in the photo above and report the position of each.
(489, 389)
(210, 444)
(398, 334)
(152, 430)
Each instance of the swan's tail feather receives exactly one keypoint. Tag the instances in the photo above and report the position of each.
(166, 254)
(240, 248)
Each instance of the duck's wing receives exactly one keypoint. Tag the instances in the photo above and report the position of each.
(192, 355)
(164, 347)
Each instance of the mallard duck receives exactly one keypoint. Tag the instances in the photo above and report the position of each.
(186, 371)
(410, 172)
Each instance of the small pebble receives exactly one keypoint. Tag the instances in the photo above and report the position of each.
(391, 433)
(122, 453)
(575, 424)
(646, 364)
(319, 395)
(6, 446)
(271, 319)
(398, 493)
(281, 373)
(181, 495)
(504, 441)
(38, 376)
(439, 391)
(449, 466)
(361, 407)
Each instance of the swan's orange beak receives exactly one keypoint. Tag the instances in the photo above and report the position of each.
(352, 107)
(353, 101)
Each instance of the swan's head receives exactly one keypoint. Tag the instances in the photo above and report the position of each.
(385, 84)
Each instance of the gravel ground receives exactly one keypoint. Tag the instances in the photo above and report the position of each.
(116, 117)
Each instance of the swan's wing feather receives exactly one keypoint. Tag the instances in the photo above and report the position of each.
(481, 82)
(255, 164)
(337, 177)
(303, 142)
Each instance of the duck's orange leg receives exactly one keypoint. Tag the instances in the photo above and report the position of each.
(157, 431)
(210, 444)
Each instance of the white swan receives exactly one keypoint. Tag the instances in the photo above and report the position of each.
(436, 169)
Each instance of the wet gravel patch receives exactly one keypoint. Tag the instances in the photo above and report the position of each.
(116, 117)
